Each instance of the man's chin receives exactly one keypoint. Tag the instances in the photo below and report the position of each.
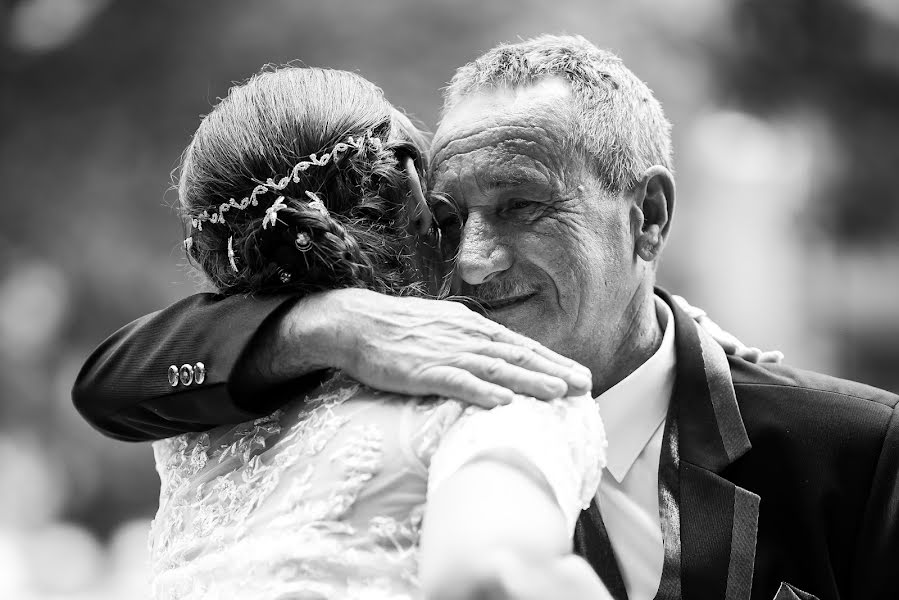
(520, 317)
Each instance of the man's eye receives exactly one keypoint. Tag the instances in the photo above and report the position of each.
(520, 204)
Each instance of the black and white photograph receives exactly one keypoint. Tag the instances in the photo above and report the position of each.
(449, 300)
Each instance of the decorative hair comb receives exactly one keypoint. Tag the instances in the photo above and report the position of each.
(303, 241)
(270, 185)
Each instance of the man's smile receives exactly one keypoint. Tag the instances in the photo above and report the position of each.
(506, 302)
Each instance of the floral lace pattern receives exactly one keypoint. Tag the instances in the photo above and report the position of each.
(325, 497)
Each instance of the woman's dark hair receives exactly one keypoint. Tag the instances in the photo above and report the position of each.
(256, 136)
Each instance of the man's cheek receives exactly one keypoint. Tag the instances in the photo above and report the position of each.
(567, 236)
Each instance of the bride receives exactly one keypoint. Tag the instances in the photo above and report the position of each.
(304, 180)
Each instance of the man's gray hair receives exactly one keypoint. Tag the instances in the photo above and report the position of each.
(617, 120)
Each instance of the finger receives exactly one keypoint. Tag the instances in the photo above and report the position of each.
(570, 578)
(513, 377)
(693, 311)
(729, 347)
(714, 329)
(725, 339)
(460, 384)
(507, 336)
(750, 354)
(772, 356)
(578, 379)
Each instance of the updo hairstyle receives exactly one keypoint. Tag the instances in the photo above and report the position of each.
(342, 222)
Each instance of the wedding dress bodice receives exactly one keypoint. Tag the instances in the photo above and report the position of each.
(324, 498)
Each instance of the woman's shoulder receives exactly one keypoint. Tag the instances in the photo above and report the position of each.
(573, 421)
(563, 439)
(409, 427)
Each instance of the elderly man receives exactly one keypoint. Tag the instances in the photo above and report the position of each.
(726, 478)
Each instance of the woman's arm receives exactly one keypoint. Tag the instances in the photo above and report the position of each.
(491, 510)
(507, 486)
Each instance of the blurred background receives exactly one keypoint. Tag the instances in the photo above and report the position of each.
(786, 116)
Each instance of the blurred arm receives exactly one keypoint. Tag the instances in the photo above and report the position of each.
(507, 484)
(488, 511)
(506, 577)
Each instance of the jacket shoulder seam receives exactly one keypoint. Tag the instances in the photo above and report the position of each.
(821, 390)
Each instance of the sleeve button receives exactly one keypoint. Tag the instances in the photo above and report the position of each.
(187, 374)
(199, 373)
(173, 376)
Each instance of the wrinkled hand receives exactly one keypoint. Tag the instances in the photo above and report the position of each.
(728, 341)
(419, 346)
(508, 578)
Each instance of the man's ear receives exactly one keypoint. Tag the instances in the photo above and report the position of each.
(654, 205)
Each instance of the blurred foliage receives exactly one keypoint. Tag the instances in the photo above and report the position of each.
(842, 59)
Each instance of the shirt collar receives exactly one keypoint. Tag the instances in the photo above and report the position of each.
(634, 407)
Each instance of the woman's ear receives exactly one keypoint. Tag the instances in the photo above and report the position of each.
(654, 199)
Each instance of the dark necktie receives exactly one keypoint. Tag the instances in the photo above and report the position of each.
(591, 541)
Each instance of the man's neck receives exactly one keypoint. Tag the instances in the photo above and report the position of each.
(641, 338)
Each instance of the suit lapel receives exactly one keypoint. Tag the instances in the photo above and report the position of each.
(718, 520)
(718, 533)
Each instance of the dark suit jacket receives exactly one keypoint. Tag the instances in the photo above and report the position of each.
(784, 475)
(124, 391)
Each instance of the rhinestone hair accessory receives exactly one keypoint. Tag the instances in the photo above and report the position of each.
(316, 203)
(339, 150)
(271, 213)
(231, 257)
(303, 241)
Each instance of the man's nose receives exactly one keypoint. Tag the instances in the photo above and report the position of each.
(482, 254)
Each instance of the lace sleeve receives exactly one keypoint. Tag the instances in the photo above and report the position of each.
(563, 440)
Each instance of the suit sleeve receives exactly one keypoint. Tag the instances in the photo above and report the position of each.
(875, 574)
(124, 391)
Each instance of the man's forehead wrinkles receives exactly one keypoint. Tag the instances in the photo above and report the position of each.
(517, 153)
(512, 156)
(493, 168)
(513, 169)
(493, 135)
(530, 155)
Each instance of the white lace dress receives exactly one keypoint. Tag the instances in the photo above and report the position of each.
(324, 498)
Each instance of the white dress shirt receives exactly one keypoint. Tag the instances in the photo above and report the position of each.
(633, 412)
